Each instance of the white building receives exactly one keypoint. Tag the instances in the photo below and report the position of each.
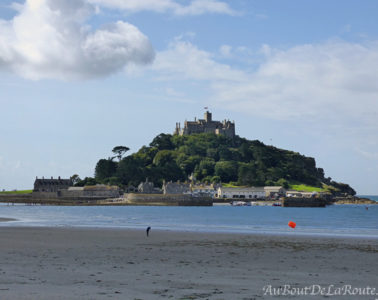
(241, 193)
(203, 191)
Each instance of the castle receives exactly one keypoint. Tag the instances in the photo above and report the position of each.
(207, 125)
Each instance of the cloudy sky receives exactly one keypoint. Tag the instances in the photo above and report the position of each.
(78, 77)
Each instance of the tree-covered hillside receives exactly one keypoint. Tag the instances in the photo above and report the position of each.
(211, 158)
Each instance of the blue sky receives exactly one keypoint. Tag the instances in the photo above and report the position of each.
(78, 77)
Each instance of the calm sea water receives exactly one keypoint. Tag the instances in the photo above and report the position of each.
(334, 220)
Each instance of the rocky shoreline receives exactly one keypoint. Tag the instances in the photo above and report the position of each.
(353, 200)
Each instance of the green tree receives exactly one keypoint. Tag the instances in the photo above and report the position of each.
(204, 169)
(130, 171)
(216, 179)
(283, 182)
(86, 181)
(188, 163)
(166, 166)
(162, 142)
(163, 157)
(227, 170)
(75, 179)
(225, 153)
(146, 154)
(245, 152)
(247, 174)
(105, 168)
(120, 151)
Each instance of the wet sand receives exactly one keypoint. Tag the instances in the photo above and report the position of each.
(69, 263)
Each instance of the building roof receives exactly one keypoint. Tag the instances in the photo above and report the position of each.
(273, 188)
(242, 189)
(202, 188)
(52, 181)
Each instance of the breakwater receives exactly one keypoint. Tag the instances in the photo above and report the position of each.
(51, 198)
(304, 202)
(167, 200)
(47, 198)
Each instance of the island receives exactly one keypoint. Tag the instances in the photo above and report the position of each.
(201, 163)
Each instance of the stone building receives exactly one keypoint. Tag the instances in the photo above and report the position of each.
(148, 188)
(176, 188)
(51, 185)
(274, 191)
(206, 125)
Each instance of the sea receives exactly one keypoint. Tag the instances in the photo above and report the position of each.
(334, 220)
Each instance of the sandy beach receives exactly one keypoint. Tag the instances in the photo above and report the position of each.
(71, 263)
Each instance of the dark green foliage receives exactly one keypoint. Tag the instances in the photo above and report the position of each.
(226, 170)
(249, 174)
(343, 189)
(105, 168)
(75, 179)
(205, 168)
(213, 158)
(112, 181)
(130, 171)
(86, 181)
(162, 142)
(283, 182)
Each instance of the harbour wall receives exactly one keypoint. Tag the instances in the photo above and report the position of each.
(304, 202)
(167, 199)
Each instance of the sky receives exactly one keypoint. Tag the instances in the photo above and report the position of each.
(78, 77)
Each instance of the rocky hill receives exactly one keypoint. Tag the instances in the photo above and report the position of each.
(214, 158)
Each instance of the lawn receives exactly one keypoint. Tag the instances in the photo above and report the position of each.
(306, 188)
(16, 192)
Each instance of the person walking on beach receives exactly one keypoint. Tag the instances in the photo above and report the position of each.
(148, 230)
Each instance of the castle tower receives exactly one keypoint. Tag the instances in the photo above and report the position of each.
(207, 117)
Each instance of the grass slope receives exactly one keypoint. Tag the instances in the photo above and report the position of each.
(16, 192)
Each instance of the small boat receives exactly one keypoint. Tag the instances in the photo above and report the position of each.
(276, 204)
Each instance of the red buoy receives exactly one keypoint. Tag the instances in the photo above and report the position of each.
(292, 224)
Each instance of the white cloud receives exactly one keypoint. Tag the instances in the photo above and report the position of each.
(196, 7)
(330, 80)
(50, 39)
(329, 87)
(327, 80)
(225, 51)
(183, 60)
